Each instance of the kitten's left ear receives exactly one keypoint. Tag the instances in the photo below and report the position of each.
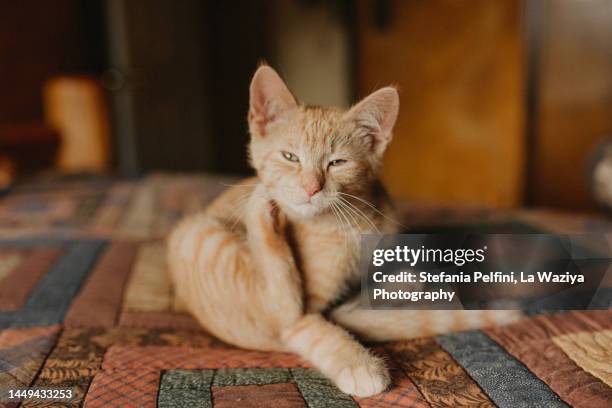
(270, 100)
(377, 113)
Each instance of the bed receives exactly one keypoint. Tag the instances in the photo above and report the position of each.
(85, 305)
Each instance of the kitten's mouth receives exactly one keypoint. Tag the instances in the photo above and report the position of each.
(307, 209)
(302, 207)
(303, 210)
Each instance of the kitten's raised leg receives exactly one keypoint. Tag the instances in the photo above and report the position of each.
(351, 367)
(328, 347)
(281, 288)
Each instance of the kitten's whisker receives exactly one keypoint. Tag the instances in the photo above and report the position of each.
(360, 213)
(342, 218)
(343, 227)
(335, 213)
(355, 220)
(341, 207)
(339, 223)
(372, 206)
(349, 210)
(374, 229)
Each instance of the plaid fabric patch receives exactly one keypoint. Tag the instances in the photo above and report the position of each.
(182, 388)
(166, 358)
(401, 394)
(13, 337)
(318, 391)
(159, 320)
(258, 396)
(98, 304)
(134, 388)
(440, 379)
(591, 351)
(49, 299)
(22, 353)
(506, 381)
(148, 288)
(16, 287)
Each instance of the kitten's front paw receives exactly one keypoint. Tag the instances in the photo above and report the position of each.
(279, 219)
(363, 380)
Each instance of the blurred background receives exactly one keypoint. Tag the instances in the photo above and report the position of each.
(503, 102)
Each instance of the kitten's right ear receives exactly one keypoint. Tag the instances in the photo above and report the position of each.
(378, 113)
(270, 100)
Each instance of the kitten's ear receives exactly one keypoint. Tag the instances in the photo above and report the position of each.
(269, 100)
(377, 113)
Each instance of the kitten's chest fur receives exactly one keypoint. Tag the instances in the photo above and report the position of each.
(328, 259)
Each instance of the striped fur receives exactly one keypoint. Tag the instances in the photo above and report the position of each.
(271, 253)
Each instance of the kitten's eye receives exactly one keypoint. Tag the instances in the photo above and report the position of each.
(291, 157)
(337, 162)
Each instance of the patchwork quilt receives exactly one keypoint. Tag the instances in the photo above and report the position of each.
(85, 305)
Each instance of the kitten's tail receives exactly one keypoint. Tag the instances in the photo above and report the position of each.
(388, 325)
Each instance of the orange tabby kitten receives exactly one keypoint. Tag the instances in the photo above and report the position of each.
(259, 266)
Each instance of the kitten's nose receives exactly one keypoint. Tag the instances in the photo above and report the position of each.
(311, 184)
(312, 190)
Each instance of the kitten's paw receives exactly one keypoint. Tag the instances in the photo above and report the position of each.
(279, 219)
(363, 380)
(265, 216)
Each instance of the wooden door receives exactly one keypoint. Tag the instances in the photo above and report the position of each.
(459, 67)
(572, 90)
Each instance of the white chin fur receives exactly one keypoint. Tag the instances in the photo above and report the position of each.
(305, 210)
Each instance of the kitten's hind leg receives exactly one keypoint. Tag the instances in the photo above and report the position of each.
(388, 325)
(350, 366)
(280, 281)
